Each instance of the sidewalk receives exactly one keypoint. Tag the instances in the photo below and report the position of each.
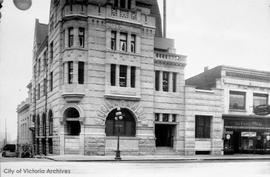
(81, 158)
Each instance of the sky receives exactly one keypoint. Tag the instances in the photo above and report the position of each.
(208, 32)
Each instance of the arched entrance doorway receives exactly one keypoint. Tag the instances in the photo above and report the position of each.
(72, 128)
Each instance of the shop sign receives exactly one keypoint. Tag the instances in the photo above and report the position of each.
(262, 110)
(248, 134)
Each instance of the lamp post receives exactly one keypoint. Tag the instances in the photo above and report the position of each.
(118, 117)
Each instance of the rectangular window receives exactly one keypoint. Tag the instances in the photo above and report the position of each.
(123, 76)
(157, 80)
(202, 126)
(174, 81)
(174, 117)
(122, 3)
(51, 51)
(157, 117)
(237, 100)
(133, 43)
(70, 72)
(115, 3)
(81, 37)
(165, 117)
(165, 81)
(123, 42)
(39, 68)
(113, 40)
(70, 37)
(44, 87)
(260, 99)
(45, 60)
(38, 94)
(81, 73)
(129, 4)
(133, 76)
(113, 70)
(51, 81)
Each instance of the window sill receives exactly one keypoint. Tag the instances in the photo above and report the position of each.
(237, 110)
(122, 138)
(202, 139)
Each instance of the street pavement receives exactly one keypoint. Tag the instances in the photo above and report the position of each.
(220, 168)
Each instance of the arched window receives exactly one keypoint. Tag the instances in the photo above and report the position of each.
(73, 126)
(38, 125)
(43, 124)
(50, 123)
(125, 127)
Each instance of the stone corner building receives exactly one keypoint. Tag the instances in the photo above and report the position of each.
(95, 56)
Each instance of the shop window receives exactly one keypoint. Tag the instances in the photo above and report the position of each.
(113, 70)
(124, 127)
(123, 76)
(50, 123)
(50, 142)
(70, 36)
(237, 100)
(70, 72)
(202, 126)
(174, 79)
(123, 42)
(260, 99)
(122, 3)
(157, 80)
(113, 40)
(81, 73)
(133, 76)
(133, 43)
(43, 124)
(81, 37)
(165, 81)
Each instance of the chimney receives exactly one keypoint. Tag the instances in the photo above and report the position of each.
(205, 68)
(164, 18)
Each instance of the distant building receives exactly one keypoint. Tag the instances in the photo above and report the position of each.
(245, 130)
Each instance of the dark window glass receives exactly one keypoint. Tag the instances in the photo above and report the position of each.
(174, 117)
(44, 87)
(38, 91)
(81, 73)
(202, 126)
(43, 124)
(113, 67)
(133, 44)
(237, 100)
(70, 72)
(157, 117)
(165, 81)
(174, 82)
(116, 3)
(123, 76)
(51, 51)
(70, 37)
(260, 99)
(50, 123)
(113, 40)
(51, 81)
(157, 80)
(125, 127)
(165, 117)
(81, 37)
(123, 42)
(129, 4)
(50, 145)
(123, 3)
(133, 76)
(39, 68)
(73, 126)
(38, 125)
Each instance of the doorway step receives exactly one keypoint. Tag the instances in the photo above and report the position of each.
(165, 151)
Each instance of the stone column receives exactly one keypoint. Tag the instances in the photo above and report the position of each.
(82, 139)
(128, 42)
(160, 80)
(137, 44)
(128, 76)
(117, 73)
(108, 39)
